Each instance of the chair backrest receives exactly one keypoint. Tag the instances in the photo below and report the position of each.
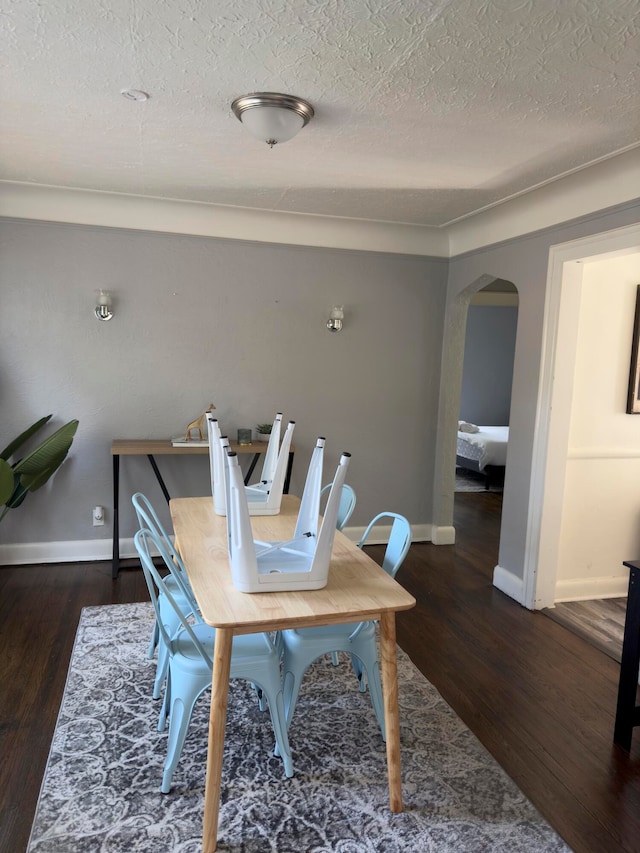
(398, 543)
(146, 541)
(148, 520)
(347, 503)
(299, 563)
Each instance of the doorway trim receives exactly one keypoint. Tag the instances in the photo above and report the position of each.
(553, 408)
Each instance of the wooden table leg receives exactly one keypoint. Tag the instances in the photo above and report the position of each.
(217, 722)
(389, 672)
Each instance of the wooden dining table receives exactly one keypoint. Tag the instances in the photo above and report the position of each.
(357, 589)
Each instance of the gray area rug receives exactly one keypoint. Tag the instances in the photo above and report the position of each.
(101, 786)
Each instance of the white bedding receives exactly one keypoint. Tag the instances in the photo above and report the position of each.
(488, 446)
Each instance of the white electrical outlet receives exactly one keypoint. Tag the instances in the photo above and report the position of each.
(98, 516)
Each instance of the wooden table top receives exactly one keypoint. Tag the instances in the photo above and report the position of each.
(357, 588)
(163, 446)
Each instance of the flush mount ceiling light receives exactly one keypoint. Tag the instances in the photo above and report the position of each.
(272, 117)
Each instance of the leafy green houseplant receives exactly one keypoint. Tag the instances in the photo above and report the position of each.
(28, 473)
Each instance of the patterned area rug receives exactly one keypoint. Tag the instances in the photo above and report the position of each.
(100, 792)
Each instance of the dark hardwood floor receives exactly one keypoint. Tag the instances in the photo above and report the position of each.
(540, 698)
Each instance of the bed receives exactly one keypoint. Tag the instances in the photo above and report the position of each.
(483, 449)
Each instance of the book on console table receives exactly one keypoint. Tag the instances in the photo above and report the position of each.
(181, 441)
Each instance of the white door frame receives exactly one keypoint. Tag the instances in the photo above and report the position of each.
(553, 410)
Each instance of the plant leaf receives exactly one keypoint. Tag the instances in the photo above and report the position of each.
(19, 494)
(6, 481)
(10, 449)
(46, 454)
(32, 482)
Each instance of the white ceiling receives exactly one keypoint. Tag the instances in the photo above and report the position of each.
(427, 111)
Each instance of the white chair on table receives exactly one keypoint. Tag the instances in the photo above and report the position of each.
(302, 646)
(299, 563)
(265, 496)
(191, 650)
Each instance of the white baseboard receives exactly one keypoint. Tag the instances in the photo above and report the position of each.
(443, 535)
(89, 550)
(78, 551)
(380, 534)
(586, 589)
(509, 583)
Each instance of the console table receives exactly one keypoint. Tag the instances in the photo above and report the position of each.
(163, 447)
(627, 712)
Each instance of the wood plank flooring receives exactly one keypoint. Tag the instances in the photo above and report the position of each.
(539, 698)
(599, 622)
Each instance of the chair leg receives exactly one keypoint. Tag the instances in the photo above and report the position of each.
(368, 660)
(161, 669)
(166, 704)
(291, 681)
(359, 674)
(153, 641)
(179, 719)
(278, 721)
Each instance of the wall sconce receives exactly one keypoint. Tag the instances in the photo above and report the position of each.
(103, 308)
(334, 323)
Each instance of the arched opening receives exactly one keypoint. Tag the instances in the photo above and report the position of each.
(450, 411)
(485, 397)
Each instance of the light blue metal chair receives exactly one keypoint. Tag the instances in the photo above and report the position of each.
(177, 582)
(345, 511)
(302, 646)
(347, 503)
(254, 658)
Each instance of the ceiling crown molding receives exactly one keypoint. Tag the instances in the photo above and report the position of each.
(601, 186)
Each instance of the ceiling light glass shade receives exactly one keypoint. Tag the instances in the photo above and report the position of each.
(272, 117)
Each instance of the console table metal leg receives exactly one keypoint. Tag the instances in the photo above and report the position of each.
(287, 478)
(627, 713)
(115, 555)
(156, 471)
(256, 456)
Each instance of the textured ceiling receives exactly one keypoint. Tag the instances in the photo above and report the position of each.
(426, 110)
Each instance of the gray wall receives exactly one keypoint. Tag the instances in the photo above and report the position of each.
(524, 262)
(200, 320)
(488, 364)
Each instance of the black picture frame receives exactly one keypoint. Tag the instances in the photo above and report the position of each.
(633, 397)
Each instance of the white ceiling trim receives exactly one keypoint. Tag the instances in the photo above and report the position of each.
(606, 184)
(113, 210)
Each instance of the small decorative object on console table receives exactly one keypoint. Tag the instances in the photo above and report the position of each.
(200, 424)
(264, 431)
(244, 436)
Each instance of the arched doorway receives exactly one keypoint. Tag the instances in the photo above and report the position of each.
(487, 378)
